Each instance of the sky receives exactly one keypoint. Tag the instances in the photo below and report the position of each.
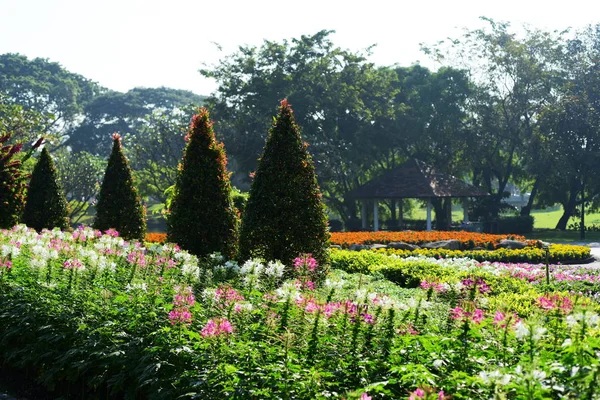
(122, 44)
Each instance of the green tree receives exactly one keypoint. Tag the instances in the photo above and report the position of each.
(126, 112)
(119, 206)
(514, 78)
(156, 149)
(49, 89)
(285, 216)
(46, 206)
(202, 217)
(337, 96)
(80, 175)
(572, 128)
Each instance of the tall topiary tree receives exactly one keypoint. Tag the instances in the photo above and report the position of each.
(12, 187)
(284, 216)
(46, 206)
(119, 206)
(202, 218)
(12, 180)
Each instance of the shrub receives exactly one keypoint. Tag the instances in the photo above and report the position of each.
(517, 224)
(46, 205)
(119, 206)
(12, 185)
(202, 218)
(285, 216)
(240, 199)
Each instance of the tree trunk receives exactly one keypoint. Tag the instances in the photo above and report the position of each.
(568, 208)
(526, 211)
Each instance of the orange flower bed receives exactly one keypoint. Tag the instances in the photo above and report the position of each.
(156, 237)
(468, 239)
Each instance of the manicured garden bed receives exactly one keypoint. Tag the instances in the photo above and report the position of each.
(92, 316)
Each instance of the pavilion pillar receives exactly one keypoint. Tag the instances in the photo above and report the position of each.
(363, 214)
(375, 215)
(466, 209)
(428, 214)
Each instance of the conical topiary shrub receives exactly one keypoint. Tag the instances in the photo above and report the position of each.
(119, 206)
(202, 218)
(12, 180)
(284, 216)
(46, 206)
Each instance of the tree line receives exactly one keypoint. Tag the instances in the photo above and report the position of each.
(503, 108)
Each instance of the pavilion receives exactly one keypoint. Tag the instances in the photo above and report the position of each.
(413, 180)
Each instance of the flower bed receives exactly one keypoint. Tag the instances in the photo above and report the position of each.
(93, 316)
(153, 237)
(558, 253)
(468, 239)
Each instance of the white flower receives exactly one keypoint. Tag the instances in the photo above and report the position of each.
(538, 332)
(136, 286)
(190, 270)
(495, 377)
(275, 269)
(232, 265)
(217, 257)
(252, 267)
(288, 291)
(360, 294)
(539, 375)
(334, 284)
(567, 343)
(38, 263)
(574, 371)
(209, 294)
(521, 331)
(438, 363)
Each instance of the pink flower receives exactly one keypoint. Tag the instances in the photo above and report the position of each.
(182, 316)
(307, 262)
(216, 327)
(112, 232)
(478, 316)
(365, 396)
(73, 264)
(417, 394)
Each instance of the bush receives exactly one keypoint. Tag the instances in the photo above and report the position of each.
(517, 224)
(335, 225)
(12, 185)
(285, 215)
(202, 218)
(46, 205)
(240, 199)
(119, 206)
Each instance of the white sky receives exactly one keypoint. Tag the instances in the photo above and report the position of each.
(122, 44)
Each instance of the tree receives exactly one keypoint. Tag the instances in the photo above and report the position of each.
(337, 95)
(119, 206)
(14, 121)
(80, 175)
(126, 112)
(46, 206)
(156, 149)
(49, 89)
(514, 80)
(284, 216)
(202, 218)
(572, 127)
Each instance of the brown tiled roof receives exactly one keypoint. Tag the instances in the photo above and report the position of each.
(415, 179)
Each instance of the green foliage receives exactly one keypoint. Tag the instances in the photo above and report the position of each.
(46, 206)
(202, 218)
(45, 87)
(284, 216)
(119, 206)
(80, 175)
(240, 199)
(138, 112)
(517, 224)
(12, 185)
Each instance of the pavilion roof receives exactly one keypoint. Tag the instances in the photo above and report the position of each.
(415, 179)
